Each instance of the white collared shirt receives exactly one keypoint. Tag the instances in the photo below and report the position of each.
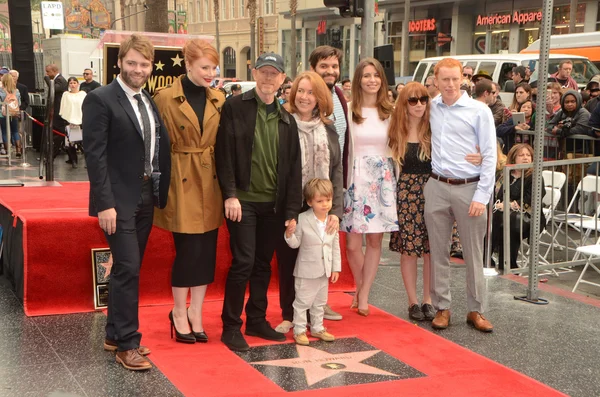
(455, 131)
(321, 226)
(134, 103)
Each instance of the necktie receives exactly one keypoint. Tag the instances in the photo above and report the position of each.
(146, 129)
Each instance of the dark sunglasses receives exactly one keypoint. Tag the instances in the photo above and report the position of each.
(412, 101)
(467, 75)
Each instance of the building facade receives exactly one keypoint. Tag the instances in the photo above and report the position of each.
(318, 25)
(456, 27)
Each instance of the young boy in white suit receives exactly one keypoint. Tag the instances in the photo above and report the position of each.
(319, 259)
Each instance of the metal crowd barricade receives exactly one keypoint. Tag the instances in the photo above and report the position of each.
(576, 224)
(8, 135)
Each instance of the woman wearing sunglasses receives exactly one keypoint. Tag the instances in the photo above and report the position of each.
(410, 143)
(369, 199)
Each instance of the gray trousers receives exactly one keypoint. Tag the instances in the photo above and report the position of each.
(311, 293)
(445, 203)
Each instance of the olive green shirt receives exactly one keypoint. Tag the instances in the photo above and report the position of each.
(263, 174)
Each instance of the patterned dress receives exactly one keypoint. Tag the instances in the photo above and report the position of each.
(369, 201)
(411, 238)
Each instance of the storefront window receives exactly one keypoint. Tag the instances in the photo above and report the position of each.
(560, 19)
(332, 38)
(395, 39)
(285, 48)
(500, 35)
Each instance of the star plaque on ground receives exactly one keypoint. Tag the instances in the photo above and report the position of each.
(346, 361)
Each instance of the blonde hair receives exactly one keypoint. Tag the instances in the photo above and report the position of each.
(398, 130)
(137, 42)
(320, 91)
(501, 157)
(384, 106)
(315, 186)
(8, 83)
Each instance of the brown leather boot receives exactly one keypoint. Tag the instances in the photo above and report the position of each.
(19, 149)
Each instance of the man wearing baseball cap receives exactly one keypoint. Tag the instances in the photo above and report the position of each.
(259, 171)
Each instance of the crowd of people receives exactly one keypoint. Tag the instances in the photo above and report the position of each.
(287, 176)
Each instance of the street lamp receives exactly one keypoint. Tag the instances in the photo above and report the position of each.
(146, 8)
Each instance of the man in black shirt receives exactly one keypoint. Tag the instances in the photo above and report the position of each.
(89, 84)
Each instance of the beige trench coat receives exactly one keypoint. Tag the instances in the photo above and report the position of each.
(195, 203)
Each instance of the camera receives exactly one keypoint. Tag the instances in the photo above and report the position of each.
(567, 123)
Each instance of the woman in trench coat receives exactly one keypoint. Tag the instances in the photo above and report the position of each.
(191, 112)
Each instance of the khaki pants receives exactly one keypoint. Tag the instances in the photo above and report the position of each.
(311, 293)
(445, 203)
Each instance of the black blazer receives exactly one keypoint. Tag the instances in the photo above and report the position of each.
(60, 87)
(24, 95)
(114, 152)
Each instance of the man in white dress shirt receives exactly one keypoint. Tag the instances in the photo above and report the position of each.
(458, 190)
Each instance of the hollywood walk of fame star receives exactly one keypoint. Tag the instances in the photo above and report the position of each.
(177, 60)
(107, 267)
(159, 65)
(318, 364)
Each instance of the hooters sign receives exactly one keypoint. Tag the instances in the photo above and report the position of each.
(423, 25)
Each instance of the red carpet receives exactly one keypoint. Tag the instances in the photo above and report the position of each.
(451, 370)
(58, 236)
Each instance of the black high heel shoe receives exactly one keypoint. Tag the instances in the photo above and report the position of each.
(200, 336)
(182, 338)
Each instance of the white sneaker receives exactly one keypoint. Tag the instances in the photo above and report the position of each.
(284, 327)
(330, 314)
(2, 152)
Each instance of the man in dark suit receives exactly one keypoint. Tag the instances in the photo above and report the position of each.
(127, 152)
(59, 124)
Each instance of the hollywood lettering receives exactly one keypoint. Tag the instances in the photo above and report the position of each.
(503, 19)
(423, 25)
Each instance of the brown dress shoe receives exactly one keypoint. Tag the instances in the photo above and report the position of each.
(480, 323)
(441, 319)
(111, 346)
(133, 360)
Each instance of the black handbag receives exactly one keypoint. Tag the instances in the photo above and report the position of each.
(516, 217)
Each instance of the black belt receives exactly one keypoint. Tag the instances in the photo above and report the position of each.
(454, 181)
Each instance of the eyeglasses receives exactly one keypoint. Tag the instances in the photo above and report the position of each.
(412, 101)
(467, 75)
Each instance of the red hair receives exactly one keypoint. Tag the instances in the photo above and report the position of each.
(320, 91)
(398, 130)
(195, 49)
(447, 63)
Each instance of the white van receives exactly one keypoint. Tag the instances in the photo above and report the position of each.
(498, 66)
(246, 86)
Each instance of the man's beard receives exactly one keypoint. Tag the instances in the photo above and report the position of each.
(330, 85)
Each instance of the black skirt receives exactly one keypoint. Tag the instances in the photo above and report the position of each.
(195, 259)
